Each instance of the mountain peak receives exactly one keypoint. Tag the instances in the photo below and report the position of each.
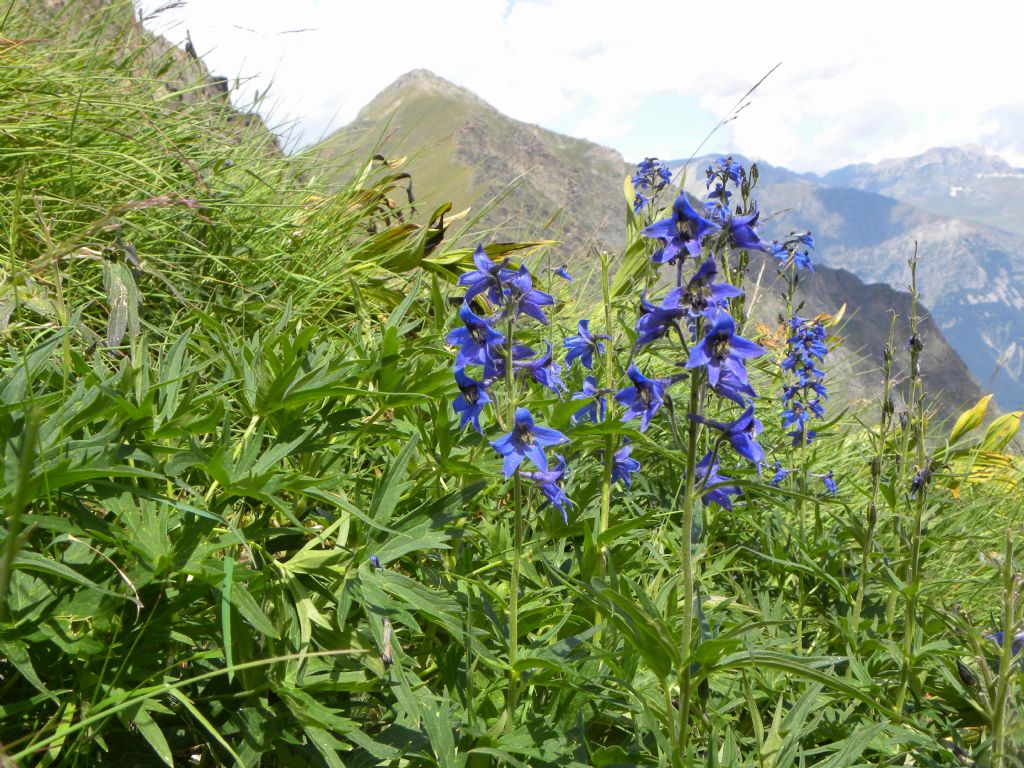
(415, 84)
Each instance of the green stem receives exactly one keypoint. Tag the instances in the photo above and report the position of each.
(876, 477)
(688, 566)
(609, 440)
(517, 542)
(913, 576)
(1006, 671)
(12, 539)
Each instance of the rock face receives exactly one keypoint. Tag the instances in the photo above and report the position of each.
(526, 182)
(971, 276)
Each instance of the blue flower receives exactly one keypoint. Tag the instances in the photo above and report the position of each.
(706, 473)
(477, 340)
(375, 561)
(526, 440)
(724, 168)
(594, 410)
(682, 232)
(730, 387)
(583, 345)
(488, 277)
(781, 473)
(830, 483)
(721, 349)
(470, 403)
(548, 484)
(703, 295)
(524, 299)
(798, 435)
(494, 367)
(543, 370)
(1016, 646)
(650, 177)
(563, 273)
(623, 466)
(655, 321)
(740, 232)
(741, 434)
(789, 251)
(642, 399)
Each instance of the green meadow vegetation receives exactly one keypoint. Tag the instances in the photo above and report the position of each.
(242, 526)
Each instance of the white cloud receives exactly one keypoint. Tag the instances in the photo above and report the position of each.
(858, 81)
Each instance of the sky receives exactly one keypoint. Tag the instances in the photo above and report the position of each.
(856, 82)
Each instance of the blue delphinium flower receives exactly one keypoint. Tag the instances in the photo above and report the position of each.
(471, 401)
(595, 409)
(494, 366)
(375, 561)
(805, 348)
(724, 170)
(523, 299)
(583, 345)
(526, 440)
(706, 473)
(721, 349)
(830, 482)
(563, 273)
(741, 434)
(798, 437)
(740, 232)
(730, 387)
(643, 399)
(477, 340)
(1016, 646)
(796, 249)
(544, 370)
(682, 232)
(623, 465)
(703, 295)
(548, 484)
(650, 177)
(656, 320)
(781, 473)
(487, 276)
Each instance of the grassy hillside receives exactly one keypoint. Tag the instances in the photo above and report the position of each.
(242, 527)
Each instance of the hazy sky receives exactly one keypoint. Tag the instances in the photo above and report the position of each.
(859, 80)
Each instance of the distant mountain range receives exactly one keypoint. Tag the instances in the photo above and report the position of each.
(971, 275)
(530, 182)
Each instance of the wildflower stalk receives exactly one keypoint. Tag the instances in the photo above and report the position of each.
(913, 576)
(517, 542)
(1006, 661)
(609, 440)
(689, 500)
(876, 474)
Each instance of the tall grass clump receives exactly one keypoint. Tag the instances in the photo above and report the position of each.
(294, 478)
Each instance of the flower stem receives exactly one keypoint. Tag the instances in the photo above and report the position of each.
(876, 476)
(609, 440)
(913, 576)
(1006, 662)
(688, 564)
(517, 543)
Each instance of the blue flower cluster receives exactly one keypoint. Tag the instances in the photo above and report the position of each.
(481, 345)
(803, 395)
(651, 176)
(697, 311)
